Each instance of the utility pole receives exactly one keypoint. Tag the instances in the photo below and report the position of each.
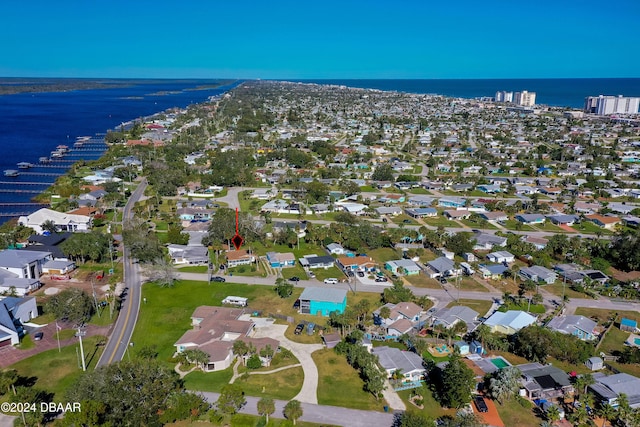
(79, 334)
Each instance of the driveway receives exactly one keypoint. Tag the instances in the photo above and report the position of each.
(308, 392)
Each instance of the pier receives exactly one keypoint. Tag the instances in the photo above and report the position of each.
(42, 174)
(24, 183)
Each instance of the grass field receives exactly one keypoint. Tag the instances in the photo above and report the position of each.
(280, 385)
(590, 227)
(614, 338)
(208, 381)
(333, 272)
(193, 269)
(514, 414)
(56, 371)
(439, 221)
(419, 191)
(403, 219)
(479, 224)
(340, 385)
(481, 306)
(512, 224)
(469, 284)
(432, 408)
(556, 289)
(382, 255)
(422, 281)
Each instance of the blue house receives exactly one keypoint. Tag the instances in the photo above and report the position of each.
(451, 203)
(576, 325)
(280, 260)
(323, 301)
(531, 218)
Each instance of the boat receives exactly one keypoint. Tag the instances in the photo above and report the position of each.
(62, 148)
(24, 165)
(57, 154)
(11, 172)
(44, 159)
(80, 141)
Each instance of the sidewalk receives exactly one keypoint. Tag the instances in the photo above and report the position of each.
(10, 355)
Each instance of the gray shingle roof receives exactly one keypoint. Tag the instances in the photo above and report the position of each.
(324, 294)
(393, 358)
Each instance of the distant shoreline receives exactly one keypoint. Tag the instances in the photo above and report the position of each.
(15, 85)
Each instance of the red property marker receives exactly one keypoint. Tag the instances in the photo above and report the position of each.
(237, 240)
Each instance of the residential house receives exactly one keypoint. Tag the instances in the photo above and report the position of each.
(531, 218)
(264, 193)
(187, 254)
(24, 264)
(214, 331)
(441, 267)
(509, 322)
(58, 267)
(492, 271)
(323, 301)
(606, 222)
(313, 261)
(494, 216)
(538, 242)
(392, 198)
(14, 312)
(352, 208)
(448, 317)
(486, 241)
(544, 381)
(501, 257)
(609, 388)
(420, 200)
(48, 243)
(389, 210)
(451, 203)
(457, 214)
(405, 267)
(335, 249)
(576, 325)
(421, 212)
(404, 317)
(628, 325)
(490, 188)
(63, 221)
(239, 257)
(195, 214)
(563, 219)
(538, 273)
(406, 362)
(281, 260)
(353, 263)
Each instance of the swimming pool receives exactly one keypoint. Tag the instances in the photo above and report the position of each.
(499, 362)
(636, 341)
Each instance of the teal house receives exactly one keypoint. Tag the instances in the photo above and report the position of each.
(322, 301)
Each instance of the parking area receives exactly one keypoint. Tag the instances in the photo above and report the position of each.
(491, 417)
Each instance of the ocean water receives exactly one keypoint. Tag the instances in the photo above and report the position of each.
(33, 124)
(553, 92)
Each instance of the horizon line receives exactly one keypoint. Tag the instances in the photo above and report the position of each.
(314, 78)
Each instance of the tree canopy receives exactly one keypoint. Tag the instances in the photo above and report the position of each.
(71, 304)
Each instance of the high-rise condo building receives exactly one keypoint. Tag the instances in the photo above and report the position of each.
(504, 96)
(524, 98)
(604, 105)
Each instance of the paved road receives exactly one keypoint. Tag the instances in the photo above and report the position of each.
(320, 414)
(121, 335)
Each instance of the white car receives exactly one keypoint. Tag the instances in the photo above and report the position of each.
(331, 281)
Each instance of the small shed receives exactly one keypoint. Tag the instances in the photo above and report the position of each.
(628, 325)
(331, 340)
(476, 347)
(594, 363)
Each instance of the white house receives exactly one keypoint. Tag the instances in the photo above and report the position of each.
(63, 221)
(501, 257)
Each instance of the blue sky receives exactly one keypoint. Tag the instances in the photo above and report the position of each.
(320, 39)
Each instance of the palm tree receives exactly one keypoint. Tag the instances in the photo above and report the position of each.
(266, 407)
(293, 411)
(553, 414)
(584, 381)
(607, 412)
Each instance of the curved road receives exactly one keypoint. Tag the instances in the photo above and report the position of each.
(121, 335)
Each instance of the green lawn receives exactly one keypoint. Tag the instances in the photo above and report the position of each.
(400, 219)
(439, 221)
(549, 226)
(422, 281)
(382, 255)
(208, 381)
(248, 270)
(340, 385)
(590, 227)
(56, 371)
(512, 224)
(481, 306)
(432, 408)
(556, 289)
(524, 305)
(614, 338)
(322, 274)
(479, 224)
(283, 385)
(193, 269)
(368, 189)
(514, 414)
(469, 284)
(419, 191)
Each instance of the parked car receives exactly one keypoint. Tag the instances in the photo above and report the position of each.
(38, 336)
(360, 274)
(481, 405)
(331, 281)
(295, 279)
(443, 280)
(311, 275)
(381, 279)
(299, 329)
(350, 273)
(218, 279)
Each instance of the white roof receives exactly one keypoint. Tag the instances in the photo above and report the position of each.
(514, 319)
(44, 214)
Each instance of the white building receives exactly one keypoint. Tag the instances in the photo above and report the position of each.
(603, 105)
(525, 98)
(504, 96)
(63, 221)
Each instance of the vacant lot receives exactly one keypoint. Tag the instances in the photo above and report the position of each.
(480, 306)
